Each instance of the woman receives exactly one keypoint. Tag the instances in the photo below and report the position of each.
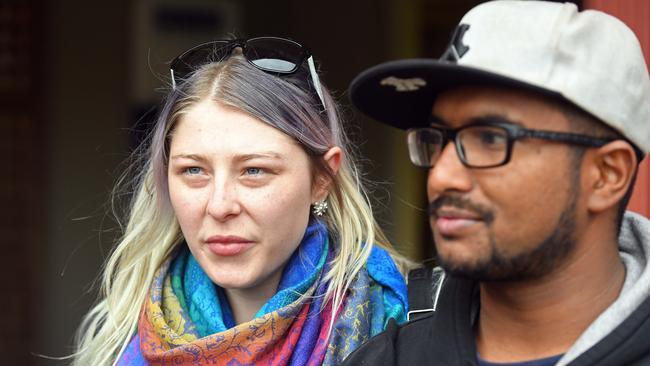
(249, 238)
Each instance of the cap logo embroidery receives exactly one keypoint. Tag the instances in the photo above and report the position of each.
(404, 85)
(456, 48)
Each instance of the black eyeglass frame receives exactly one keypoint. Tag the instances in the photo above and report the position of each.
(513, 133)
(180, 68)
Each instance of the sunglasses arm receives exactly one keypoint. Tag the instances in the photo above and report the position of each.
(173, 79)
(315, 80)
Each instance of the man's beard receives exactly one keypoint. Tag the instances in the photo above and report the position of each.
(534, 263)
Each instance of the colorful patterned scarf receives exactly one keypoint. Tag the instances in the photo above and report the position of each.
(186, 320)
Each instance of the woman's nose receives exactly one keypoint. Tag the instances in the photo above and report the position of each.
(223, 203)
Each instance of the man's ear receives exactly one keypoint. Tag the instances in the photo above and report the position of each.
(610, 173)
(323, 181)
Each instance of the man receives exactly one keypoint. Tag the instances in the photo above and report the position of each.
(532, 125)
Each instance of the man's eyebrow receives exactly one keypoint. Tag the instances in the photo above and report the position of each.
(481, 119)
(493, 118)
(436, 120)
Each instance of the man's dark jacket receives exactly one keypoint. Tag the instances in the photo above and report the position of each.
(446, 336)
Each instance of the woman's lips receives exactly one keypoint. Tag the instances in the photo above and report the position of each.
(228, 245)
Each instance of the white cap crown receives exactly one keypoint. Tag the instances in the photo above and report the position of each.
(592, 59)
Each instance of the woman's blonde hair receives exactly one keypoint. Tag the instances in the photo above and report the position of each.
(152, 232)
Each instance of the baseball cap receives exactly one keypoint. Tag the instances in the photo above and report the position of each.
(588, 58)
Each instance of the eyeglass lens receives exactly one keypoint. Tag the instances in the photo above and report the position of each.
(477, 146)
(424, 146)
(274, 55)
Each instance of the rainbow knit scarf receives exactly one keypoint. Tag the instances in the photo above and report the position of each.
(186, 319)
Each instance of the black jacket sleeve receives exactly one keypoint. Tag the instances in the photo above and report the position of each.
(379, 350)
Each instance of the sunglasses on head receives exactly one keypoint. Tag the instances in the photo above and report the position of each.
(274, 55)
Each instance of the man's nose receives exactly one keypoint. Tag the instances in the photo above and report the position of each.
(448, 174)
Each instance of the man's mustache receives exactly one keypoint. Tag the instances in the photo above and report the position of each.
(461, 203)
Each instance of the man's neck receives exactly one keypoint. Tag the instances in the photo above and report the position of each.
(533, 319)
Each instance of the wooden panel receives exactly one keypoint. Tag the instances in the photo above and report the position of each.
(636, 14)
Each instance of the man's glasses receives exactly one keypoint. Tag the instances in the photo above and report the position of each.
(484, 144)
(274, 55)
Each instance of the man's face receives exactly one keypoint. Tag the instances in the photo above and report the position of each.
(510, 222)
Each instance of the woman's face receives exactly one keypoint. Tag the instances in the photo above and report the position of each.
(241, 191)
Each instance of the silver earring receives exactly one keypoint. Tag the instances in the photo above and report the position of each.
(319, 208)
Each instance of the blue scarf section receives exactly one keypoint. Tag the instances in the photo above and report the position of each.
(392, 289)
(210, 313)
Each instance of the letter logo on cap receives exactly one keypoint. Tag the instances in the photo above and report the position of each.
(403, 85)
(456, 48)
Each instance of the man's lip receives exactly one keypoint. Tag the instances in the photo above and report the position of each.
(456, 214)
(227, 239)
(451, 222)
(453, 226)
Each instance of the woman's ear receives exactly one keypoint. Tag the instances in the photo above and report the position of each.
(323, 181)
(611, 172)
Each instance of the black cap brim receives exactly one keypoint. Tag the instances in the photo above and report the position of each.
(412, 108)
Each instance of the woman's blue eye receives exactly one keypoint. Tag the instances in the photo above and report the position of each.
(193, 170)
(254, 171)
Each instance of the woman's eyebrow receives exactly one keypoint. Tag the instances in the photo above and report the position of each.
(196, 157)
(238, 157)
(260, 155)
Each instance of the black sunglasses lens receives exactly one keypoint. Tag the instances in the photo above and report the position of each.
(200, 55)
(274, 54)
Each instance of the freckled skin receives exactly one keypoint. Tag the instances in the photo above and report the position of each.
(265, 199)
(526, 196)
